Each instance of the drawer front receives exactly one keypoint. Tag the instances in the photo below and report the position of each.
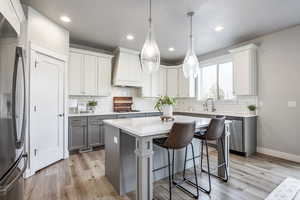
(98, 120)
(153, 114)
(131, 115)
(78, 121)
(103, 117)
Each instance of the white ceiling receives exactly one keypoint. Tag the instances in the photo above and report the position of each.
(105, 23)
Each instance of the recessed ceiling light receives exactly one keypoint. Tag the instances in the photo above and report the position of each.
(219, 28)
(65, 19)
(130, 37)
(171, 49)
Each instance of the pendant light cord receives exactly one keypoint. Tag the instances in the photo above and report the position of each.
(190, 14)
(150, 19)
(191, 31)
(150, 13)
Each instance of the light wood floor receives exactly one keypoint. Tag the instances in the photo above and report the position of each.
(81, 177)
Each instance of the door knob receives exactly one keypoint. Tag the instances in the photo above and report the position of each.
(60, 115)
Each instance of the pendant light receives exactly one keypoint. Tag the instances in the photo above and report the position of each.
(191, 63)
(150, 55)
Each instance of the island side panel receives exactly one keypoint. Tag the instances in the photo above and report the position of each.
(120, 159)
(112, 155)
(128, 163)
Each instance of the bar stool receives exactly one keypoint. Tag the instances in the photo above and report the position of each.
(214, 132)
(180, 136)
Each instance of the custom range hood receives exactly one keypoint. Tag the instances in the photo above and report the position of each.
(127, 71)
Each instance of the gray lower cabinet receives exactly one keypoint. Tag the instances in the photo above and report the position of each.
(95, 133)
(96, 129)
(86, 132)
(77, 133)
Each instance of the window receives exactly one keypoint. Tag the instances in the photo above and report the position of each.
(216, 81)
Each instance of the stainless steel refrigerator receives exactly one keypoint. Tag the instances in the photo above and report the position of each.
(13, 160)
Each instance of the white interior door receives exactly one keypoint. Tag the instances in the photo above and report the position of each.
(46, 112)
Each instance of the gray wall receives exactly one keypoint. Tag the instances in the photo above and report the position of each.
(48, 35)
(279, 82)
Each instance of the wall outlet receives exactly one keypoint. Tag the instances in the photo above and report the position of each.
(115, 140)
(292, 104)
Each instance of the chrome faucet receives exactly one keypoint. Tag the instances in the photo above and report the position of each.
(205, 105)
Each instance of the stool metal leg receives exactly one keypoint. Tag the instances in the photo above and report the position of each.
(225, 179)
(208, 167)
(195, 171)
(178, 184)
(184, 167)
(224, 157)
(173, 165)
(209, 179)
(170, 181)
(202, 143)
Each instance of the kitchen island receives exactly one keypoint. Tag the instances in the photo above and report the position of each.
(129, 156)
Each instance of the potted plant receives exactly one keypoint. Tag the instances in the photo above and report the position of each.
(252, 109)
(165, 105)
(92, 105)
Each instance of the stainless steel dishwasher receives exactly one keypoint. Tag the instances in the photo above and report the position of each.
(236, 135)
(243, 135)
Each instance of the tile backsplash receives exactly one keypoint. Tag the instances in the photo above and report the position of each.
(238, 105)
(105, 104)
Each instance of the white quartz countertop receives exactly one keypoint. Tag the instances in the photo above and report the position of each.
(109, 113)
(231, 114)
(153, 126)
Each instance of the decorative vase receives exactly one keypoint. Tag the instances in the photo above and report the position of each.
(252, 112)
(91, 109)
(167, 110)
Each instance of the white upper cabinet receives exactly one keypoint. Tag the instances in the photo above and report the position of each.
(172, 82)
(127, 69)
(104, 76)
(154, 85)
(245, 70)
(162, 81)
(168, 81)
(89, 73)
(13, 12)
(186, 87)
(147, 85)
(75, 74)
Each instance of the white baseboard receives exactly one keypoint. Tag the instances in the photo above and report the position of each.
(279, 154)
(28, 173)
